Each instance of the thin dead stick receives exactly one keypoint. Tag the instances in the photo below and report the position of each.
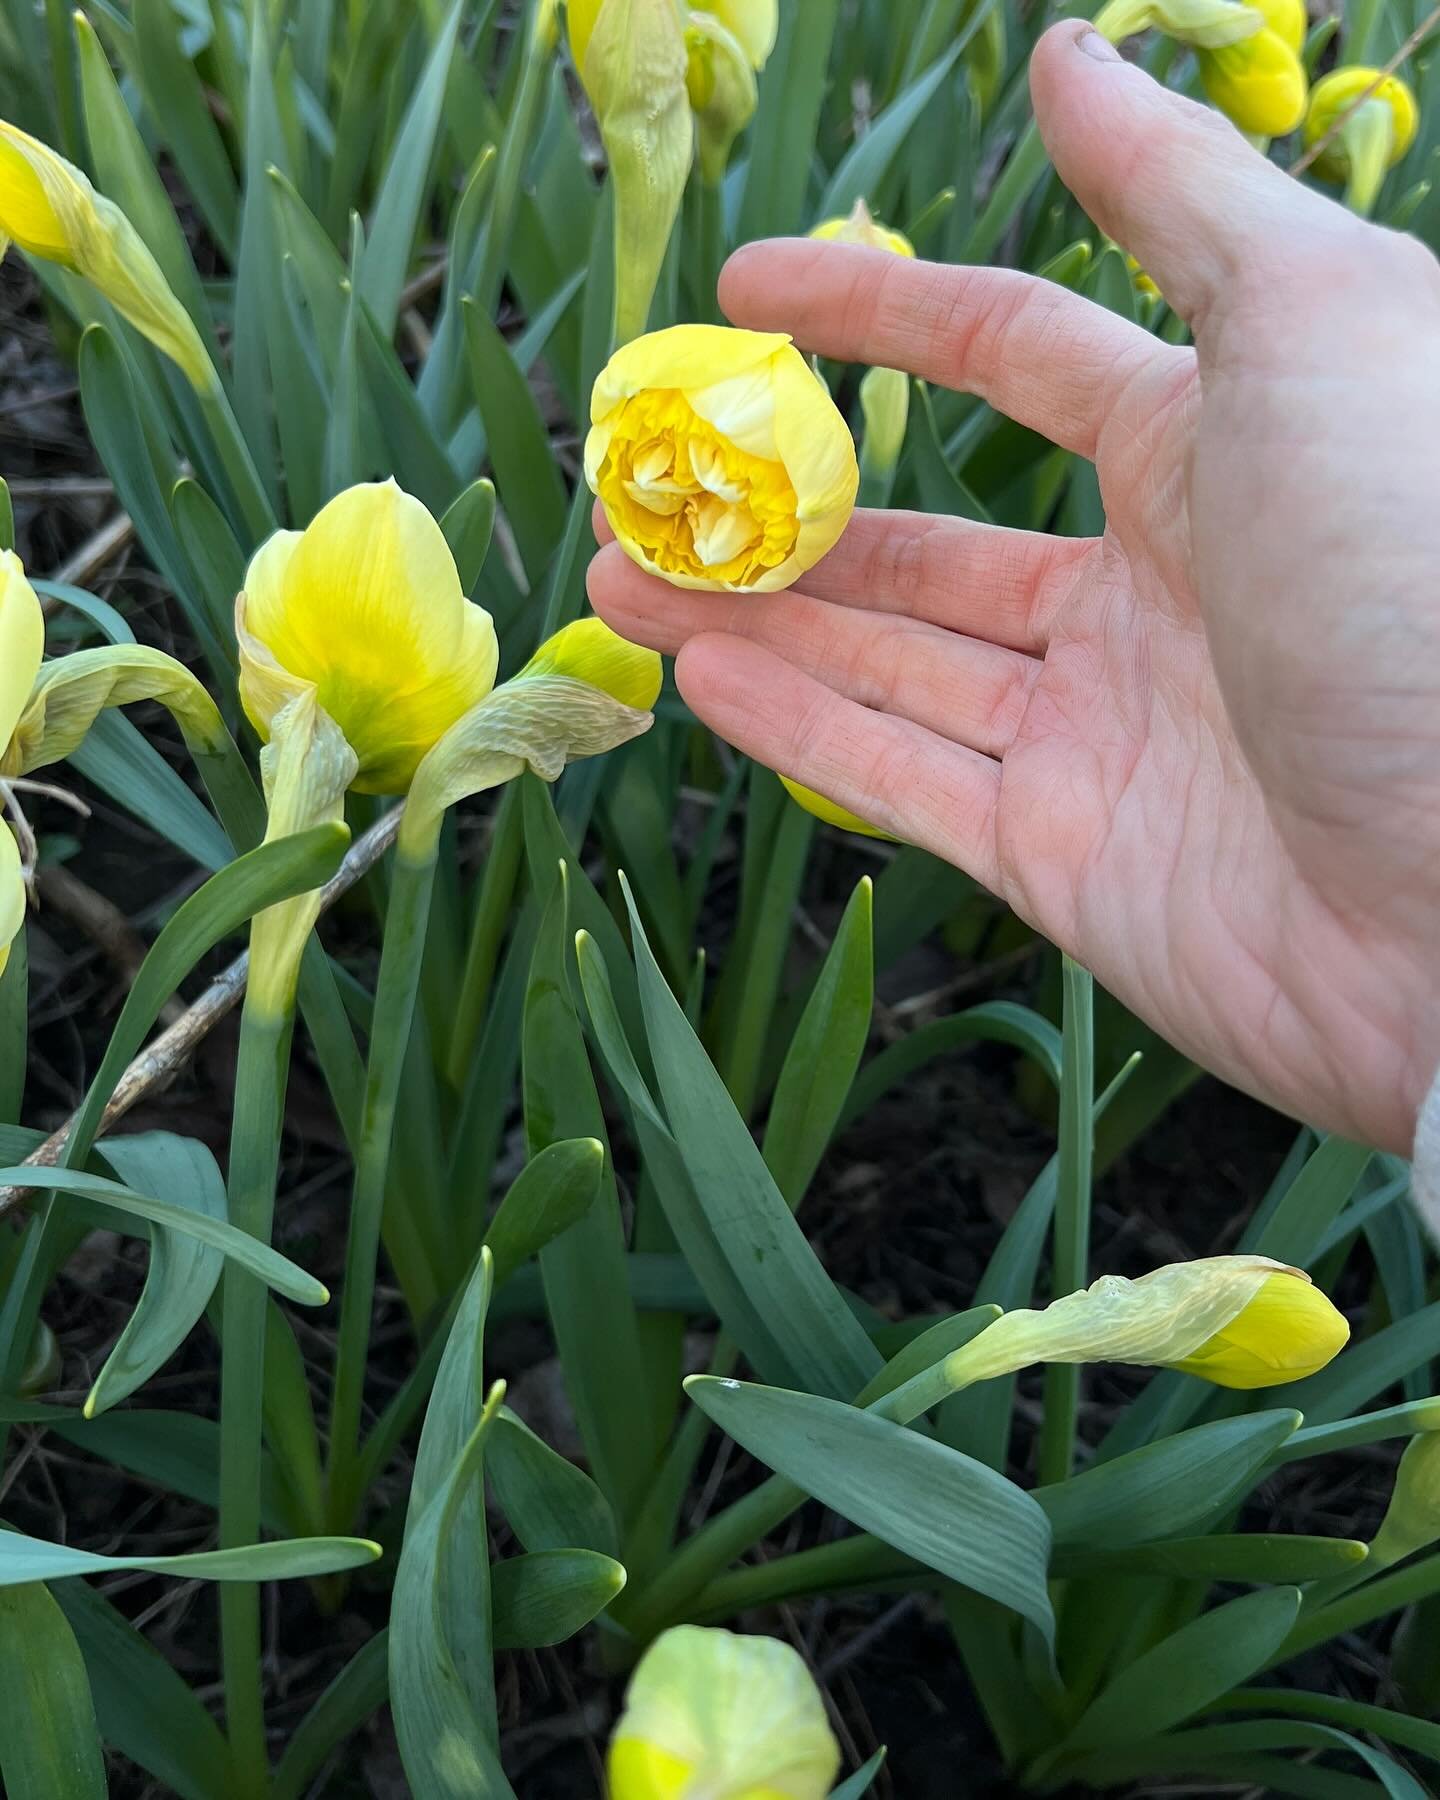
(1412, 43)
(159, 1061)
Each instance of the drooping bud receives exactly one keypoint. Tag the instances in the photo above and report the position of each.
(1370, 140)
(721, 84)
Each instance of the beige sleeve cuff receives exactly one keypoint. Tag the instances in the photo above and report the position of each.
(1425, 1182)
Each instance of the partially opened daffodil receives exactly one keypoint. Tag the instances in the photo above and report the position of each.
(859, 226)
(713, 1715)
(1239, 1321)
(365, 606)
(361, 617)
(719, 457)
(49, 210)
(727, 42)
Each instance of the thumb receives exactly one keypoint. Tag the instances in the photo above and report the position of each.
(1172, 182)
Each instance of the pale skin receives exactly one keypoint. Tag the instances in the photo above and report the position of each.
(1202, 752)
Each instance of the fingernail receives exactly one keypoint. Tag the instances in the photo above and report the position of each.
(1091, 43)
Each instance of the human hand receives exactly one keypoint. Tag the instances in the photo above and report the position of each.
(1202, 752)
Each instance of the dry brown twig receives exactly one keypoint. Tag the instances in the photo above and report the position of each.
(1411, 44)
(161, 1059)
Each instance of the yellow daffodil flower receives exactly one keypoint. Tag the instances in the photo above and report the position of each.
(49, 210)
(1239, 1321)
(632, 59)
(1259, 84)
(720, 459)
(1371, 140)
(711, 1715)
(1288, 19)
(1144, 284)
(22, 644)
(860, 227)
(365, 606)
(831, 814)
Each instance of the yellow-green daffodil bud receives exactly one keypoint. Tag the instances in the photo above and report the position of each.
(1371, 140)
(365, 606)
(1412, 1519)
(1204, 24)
(831, 814)
(721, 85)
(1259, 84)
(305, 768)
(1239, 1321)
(859, 226)
(49, 210)
(631, 58)
(985, 55)
(585, 691)
(753, 24)
(712, 1715)
(720, 458)
(885, 407)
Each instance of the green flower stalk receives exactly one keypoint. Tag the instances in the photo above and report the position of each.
(360, 623)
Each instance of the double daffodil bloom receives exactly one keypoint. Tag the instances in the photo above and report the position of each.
(49, 210)
(719, 457)
(46, 710)
(712, 1715)
(1371, 140)
(1239, 1321)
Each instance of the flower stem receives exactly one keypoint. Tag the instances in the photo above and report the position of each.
(395, 996)
(260, 1081)
(1071, 1260)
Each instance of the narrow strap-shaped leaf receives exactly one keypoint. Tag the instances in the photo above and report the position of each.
(183, 1271)
(546, 1596)
(27, 1559)
(356, 1692)
(953, 1514)
(50, 1747)
(824, 1347)
(131, 771)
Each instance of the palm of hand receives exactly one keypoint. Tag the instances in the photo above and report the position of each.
(1221, 842)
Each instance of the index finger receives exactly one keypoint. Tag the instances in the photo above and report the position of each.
(1048, 358)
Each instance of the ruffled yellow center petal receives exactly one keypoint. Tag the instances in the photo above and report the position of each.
(365, 605)
(719, 457)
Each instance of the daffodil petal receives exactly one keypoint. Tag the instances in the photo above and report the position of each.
(683, 356)
(830, 813)
(365, 605)
(12, 893)
(28, 214)
(22, 645)
(591, 652)
(753, 23)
